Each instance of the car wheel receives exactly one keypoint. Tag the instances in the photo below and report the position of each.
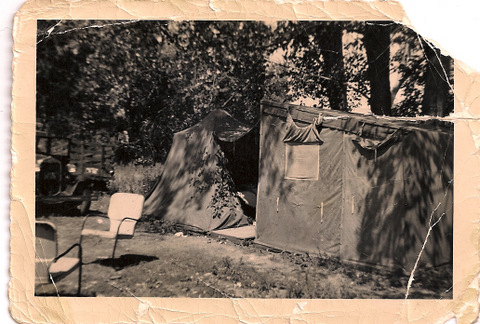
(85, 205)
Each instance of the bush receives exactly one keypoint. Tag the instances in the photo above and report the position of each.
(132, 178)
(152, 225)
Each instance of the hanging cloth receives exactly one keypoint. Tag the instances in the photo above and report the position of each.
(376, 144)
(304, 135)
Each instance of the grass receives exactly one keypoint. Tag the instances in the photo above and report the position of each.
(308, 285)
(326, 277)
(137, 179)
(129, 178)
(238, 272)
(201, 266)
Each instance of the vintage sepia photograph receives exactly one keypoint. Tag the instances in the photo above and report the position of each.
(242, 159)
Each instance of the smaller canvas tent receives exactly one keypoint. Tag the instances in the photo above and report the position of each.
(206, 164)
(354, 186)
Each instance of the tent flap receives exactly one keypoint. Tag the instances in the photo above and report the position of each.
(375, 144)
(295, 134)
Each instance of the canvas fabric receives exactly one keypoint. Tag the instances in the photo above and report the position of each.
(301, 135)
(429, 164)
(379, 182)
(390, 195)
(298, 215)
(190, 180)
(372, 230)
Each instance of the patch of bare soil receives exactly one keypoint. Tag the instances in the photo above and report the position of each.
(192, 265)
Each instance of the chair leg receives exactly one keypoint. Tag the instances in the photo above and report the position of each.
(79, 278)
(80, 263)
(80, 243)
(113, 253)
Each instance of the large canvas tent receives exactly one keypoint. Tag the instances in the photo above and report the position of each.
(358, 187)
(206, 164)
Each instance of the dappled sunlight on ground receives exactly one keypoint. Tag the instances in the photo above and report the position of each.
(193, 265)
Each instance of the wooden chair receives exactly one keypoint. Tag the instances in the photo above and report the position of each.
(50, 267)
(124, 211)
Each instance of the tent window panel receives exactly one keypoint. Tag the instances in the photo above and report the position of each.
(302, 161)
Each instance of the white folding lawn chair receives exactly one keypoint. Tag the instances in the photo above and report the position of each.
(50, 267)
(124, 211)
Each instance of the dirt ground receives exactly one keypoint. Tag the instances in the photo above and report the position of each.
(194, 265)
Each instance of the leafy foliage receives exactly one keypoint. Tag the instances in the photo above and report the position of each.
(149, 79)
(315, 62)
(223, 196)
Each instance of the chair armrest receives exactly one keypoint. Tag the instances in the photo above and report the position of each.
(126, 218)
(129, 218)
(68, 250)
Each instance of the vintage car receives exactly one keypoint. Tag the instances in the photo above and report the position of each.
(70, 172)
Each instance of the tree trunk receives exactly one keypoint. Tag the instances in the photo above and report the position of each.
(377, 44)
(332, 53)
(436, 86)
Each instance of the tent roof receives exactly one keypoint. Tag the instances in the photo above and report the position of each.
(352, 122)
(222, 124)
